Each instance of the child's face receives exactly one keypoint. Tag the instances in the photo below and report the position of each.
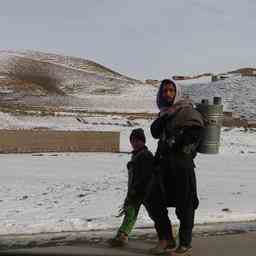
(136, 144)
(169, 92)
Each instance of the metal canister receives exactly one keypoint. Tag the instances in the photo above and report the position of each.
(213, 116)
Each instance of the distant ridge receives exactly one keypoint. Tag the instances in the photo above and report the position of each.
(74, 62)
(37, 81)
(60, 74)
(242, 71)
(246, 71)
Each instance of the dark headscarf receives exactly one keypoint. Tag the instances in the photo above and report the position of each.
(163, 103)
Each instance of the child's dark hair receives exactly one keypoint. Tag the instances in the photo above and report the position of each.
(138, 134)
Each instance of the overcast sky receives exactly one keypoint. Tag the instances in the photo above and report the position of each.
(140, 38)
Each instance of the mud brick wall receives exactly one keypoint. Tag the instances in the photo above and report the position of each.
(34, 141)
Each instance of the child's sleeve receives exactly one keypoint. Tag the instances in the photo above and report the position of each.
(143, 174)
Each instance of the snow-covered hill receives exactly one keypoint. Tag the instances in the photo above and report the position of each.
(61, 74)
(34, 80)
(238, 94)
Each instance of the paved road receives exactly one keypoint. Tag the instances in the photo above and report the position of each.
(226, 245)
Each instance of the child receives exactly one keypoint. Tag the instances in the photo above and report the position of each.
(140, 169)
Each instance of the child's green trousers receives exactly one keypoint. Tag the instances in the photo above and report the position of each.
(129, 219)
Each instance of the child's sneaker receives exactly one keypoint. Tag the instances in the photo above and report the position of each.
(183, 251)
(120, 240)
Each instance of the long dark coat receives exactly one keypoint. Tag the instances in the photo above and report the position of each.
(175, 166)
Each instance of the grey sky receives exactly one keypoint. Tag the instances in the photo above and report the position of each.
(140, 38)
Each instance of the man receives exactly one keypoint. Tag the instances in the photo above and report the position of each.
(178, 130)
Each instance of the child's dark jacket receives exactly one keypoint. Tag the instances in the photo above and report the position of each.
(140, 169)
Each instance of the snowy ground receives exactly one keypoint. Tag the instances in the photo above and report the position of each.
(82, 191)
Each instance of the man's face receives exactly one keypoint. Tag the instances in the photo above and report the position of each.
(136, 144)
(169, 92)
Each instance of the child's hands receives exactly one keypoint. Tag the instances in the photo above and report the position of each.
(122, 210)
